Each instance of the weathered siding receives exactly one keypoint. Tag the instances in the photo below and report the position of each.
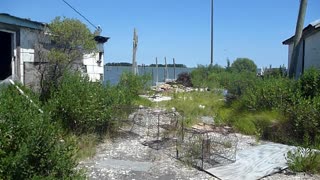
(300, 64)
(290, 49)
(312, 51)
(28, 39)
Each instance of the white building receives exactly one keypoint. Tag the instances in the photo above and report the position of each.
(309, 54)
(19, 56)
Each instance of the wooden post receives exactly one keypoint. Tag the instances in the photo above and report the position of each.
(157, 78)
(166, 69)
(174, 69)
(135, 46)
(297, 39)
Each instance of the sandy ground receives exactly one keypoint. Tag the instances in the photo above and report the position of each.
(127, 158)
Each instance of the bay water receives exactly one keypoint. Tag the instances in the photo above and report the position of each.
(112, 73)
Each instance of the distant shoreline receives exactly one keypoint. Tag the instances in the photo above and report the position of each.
(123, 64)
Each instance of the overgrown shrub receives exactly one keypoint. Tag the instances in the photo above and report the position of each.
(304, 115)
(298, 102)
(304, 160)
(202, 76)
(81, 106)
(235, 83)
(309, 83)
(30, 145)
(268, 94)
(130, 85)
(199, 76)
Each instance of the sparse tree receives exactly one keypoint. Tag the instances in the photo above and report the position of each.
(243, 65)
(70, 39)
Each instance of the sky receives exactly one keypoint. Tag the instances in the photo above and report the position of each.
(180, 29)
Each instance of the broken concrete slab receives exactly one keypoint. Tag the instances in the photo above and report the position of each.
(254, 163)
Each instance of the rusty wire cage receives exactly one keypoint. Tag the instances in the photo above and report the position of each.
(205, 148)
(156, 127)
(202, 147)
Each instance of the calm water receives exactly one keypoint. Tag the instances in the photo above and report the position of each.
(113, 73)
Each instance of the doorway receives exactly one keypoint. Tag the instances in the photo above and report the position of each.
(5, 55)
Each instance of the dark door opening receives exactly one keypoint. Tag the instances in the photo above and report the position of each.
(5, 55)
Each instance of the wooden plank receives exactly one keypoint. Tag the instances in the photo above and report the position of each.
(254, 163)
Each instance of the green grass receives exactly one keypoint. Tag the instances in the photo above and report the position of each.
(254, 123)
(144, 102)
(188, 104)
(250, 123)
(86, 146)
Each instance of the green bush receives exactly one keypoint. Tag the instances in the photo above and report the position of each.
(268, 94)
(81, 106)
(130, 85)
(297, 101)
(304, 115)
(235, 83)
(304, 160)
(202, 76)
(309, 83)
(243, 65)
(30, 145)
(199, 76)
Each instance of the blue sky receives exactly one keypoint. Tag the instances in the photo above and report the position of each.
(180, 29)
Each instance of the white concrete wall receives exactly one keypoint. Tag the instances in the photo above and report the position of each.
(94, 70)
(312, 51)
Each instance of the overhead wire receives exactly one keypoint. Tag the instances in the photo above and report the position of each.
(80, 14)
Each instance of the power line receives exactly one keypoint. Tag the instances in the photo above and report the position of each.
(80, 14)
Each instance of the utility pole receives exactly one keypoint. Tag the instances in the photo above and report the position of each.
(297, 39)
(211, 62)
(135, 46)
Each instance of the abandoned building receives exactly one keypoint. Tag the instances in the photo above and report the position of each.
(19, 55)
(309, 52)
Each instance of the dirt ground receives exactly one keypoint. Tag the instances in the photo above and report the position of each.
(127, 157)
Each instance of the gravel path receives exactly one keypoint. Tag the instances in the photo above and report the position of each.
(126, 158)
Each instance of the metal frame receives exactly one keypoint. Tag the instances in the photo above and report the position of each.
(205, 149)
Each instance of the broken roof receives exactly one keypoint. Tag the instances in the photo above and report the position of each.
(22, 22)
(101, 39)
(307, 31)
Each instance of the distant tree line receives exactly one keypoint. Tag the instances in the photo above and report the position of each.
(118, 64)
(169, 65)
(151, 65)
